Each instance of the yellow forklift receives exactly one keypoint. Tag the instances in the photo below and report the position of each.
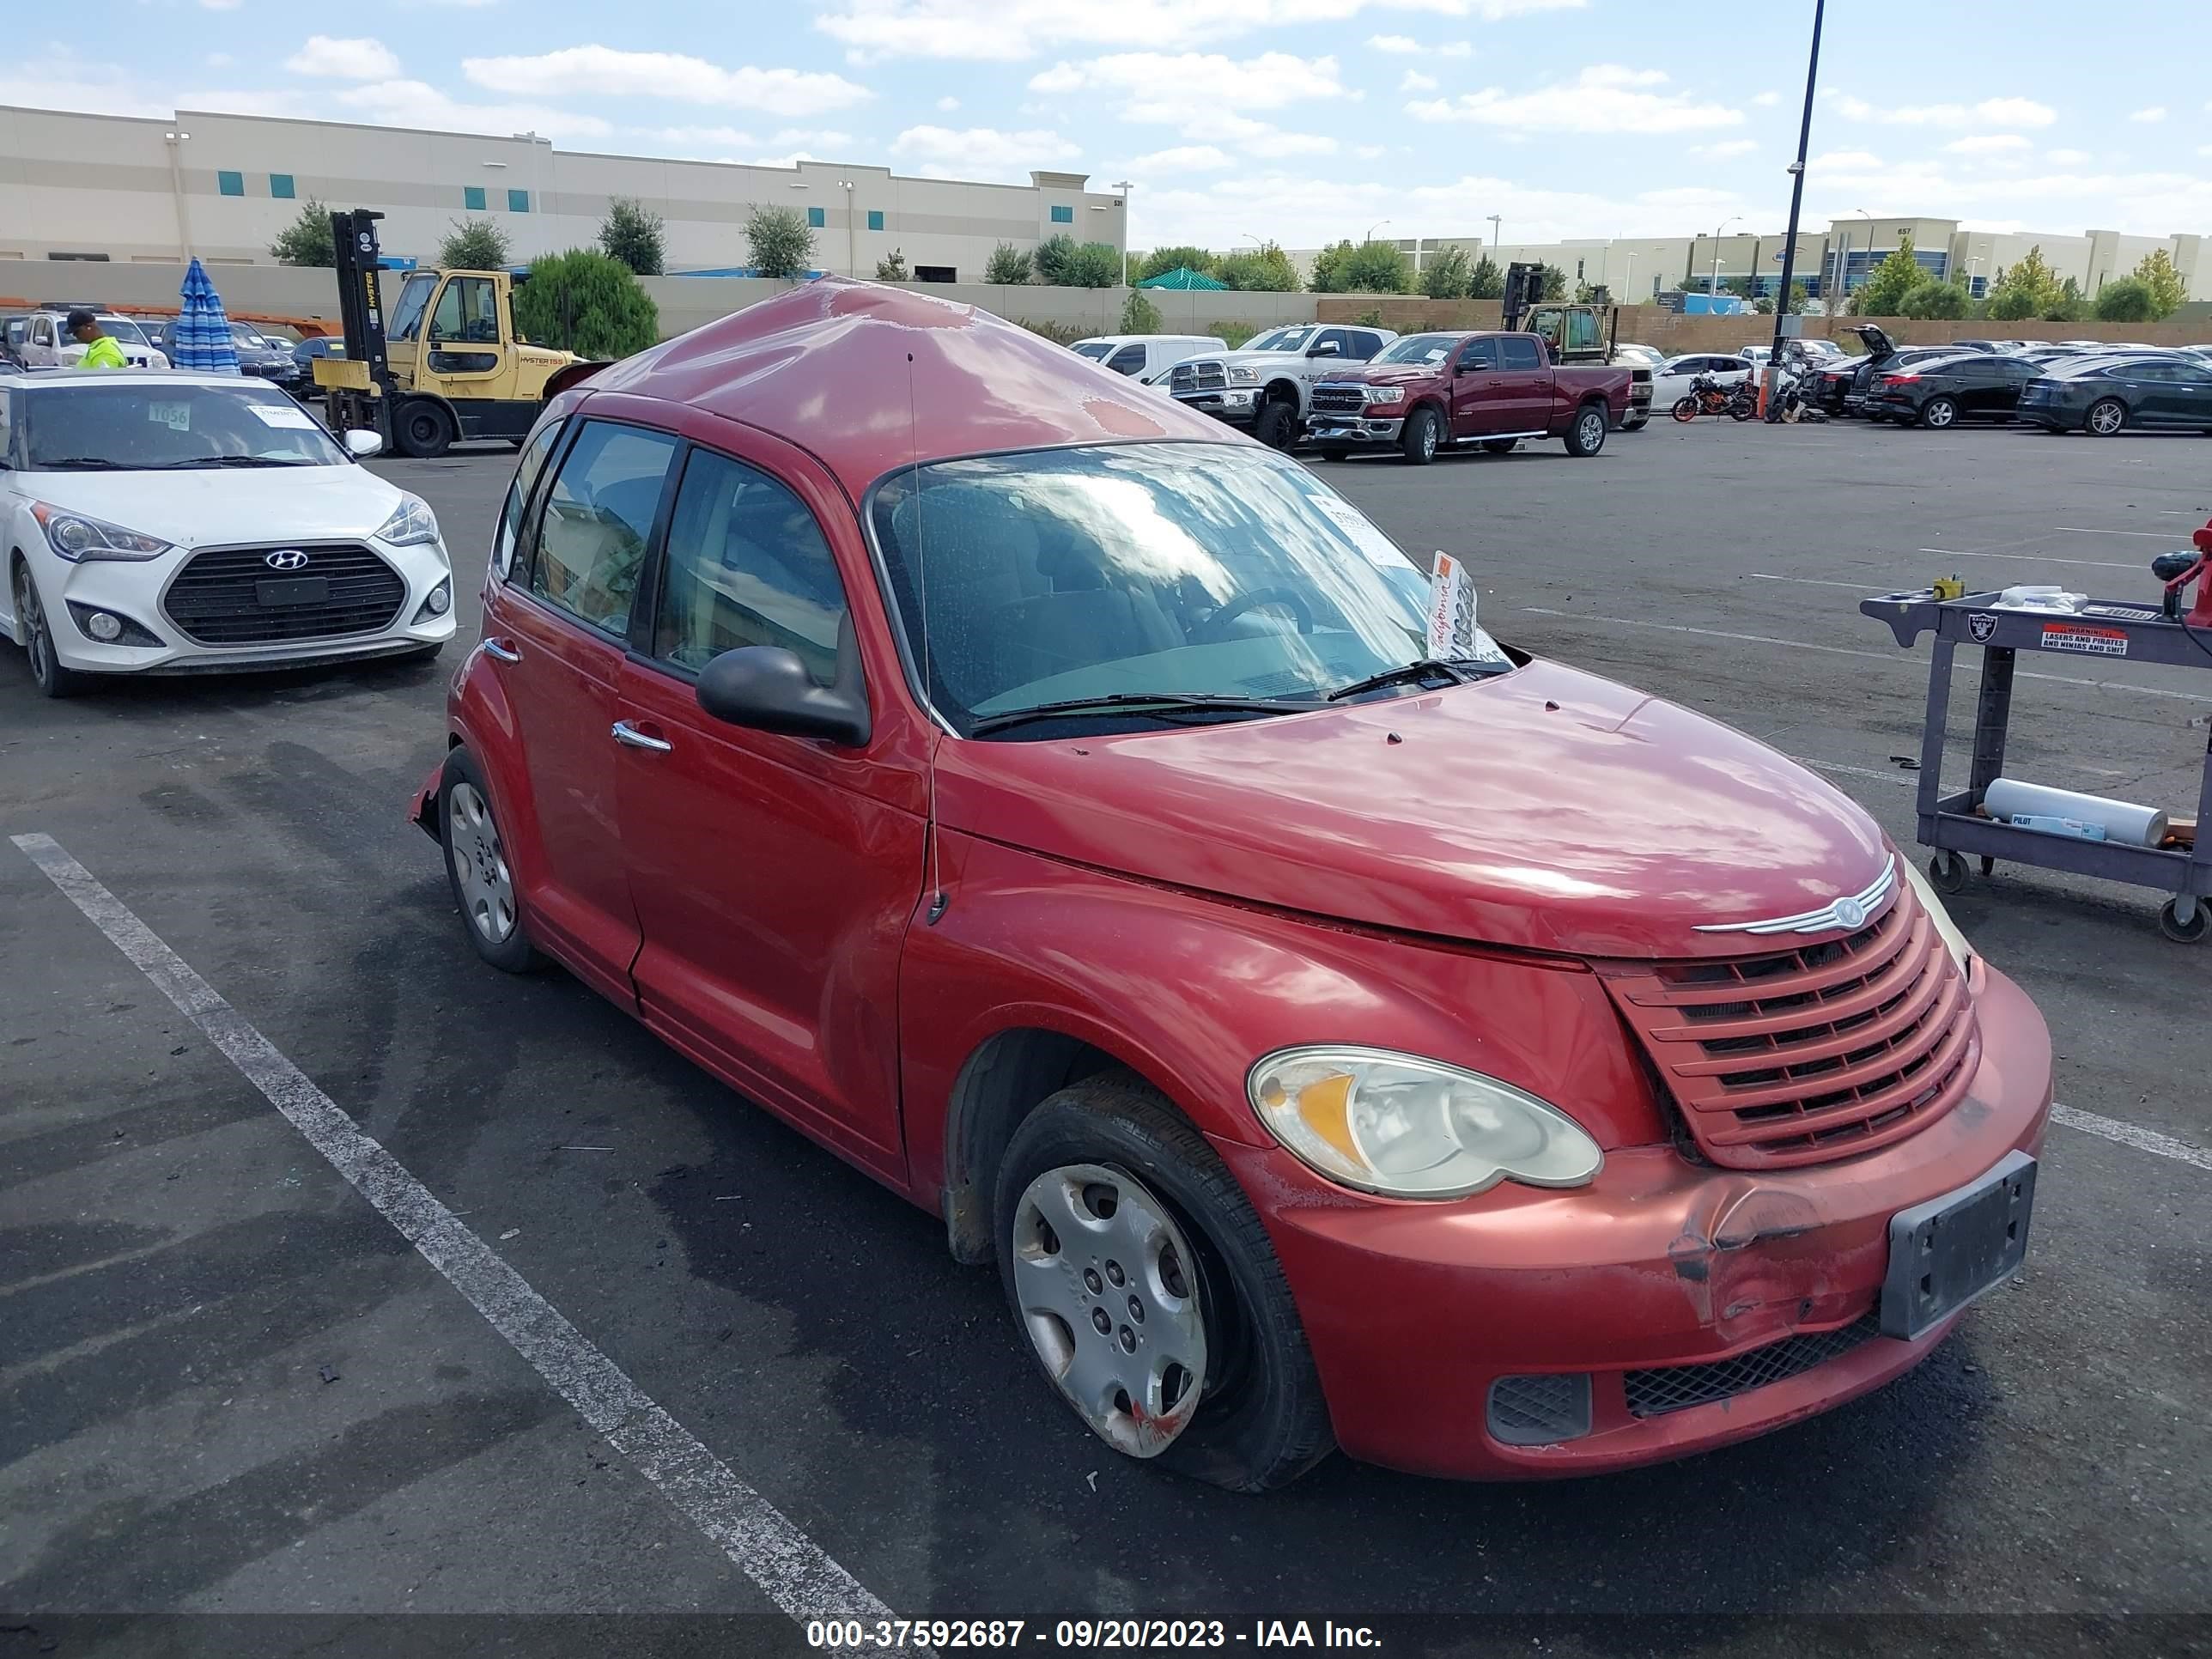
(443, 364)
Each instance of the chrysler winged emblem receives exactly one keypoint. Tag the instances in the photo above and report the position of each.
(1847, 914)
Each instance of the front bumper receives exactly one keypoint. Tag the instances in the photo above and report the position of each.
(134, 592)
(1236, 405)
(1354, 428)
(1413, 1311)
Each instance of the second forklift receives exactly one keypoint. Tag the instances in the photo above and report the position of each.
(444, 364)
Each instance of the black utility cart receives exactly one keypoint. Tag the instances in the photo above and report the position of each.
(2103, 630)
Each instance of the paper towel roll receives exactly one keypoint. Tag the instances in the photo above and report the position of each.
(2139, 826)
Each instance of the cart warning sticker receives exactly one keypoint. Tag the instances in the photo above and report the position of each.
(2096, 641)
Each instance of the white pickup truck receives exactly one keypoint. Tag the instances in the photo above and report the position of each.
(1266, 386)
(39, 339)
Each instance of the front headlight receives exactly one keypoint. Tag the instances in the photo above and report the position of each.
(77, 536)
(1386, 394)
(1244, 374)
(1954, 940)
(1409, 1128)
(411, 522)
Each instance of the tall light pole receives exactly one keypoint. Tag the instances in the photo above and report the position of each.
(1713, 287)
(1796, 198)
(1372, 228)
(852, 254)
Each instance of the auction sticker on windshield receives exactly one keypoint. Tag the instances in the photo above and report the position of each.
(284, 415)
(1380, 549)
(178, 417)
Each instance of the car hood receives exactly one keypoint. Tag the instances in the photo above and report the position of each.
(1547, 809)
(223, 506)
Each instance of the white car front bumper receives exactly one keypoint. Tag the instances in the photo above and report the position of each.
(236, 612)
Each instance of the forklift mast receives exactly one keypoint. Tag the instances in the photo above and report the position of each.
(1523, 285)
(360, 300)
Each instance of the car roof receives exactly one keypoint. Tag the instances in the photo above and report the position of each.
(838, 367)
(146, 377)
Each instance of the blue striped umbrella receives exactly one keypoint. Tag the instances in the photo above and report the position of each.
(203, 339)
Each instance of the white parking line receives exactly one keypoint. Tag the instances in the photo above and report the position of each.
(2084, 530)
(2144, 1140)
(796, 1574)
(2031, 558)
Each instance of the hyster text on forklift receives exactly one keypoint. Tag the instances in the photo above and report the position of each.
(444, 364)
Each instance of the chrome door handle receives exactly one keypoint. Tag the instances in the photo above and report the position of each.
(499, 653)
(624, 732)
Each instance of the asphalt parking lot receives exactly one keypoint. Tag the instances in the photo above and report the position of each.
(231, 1387)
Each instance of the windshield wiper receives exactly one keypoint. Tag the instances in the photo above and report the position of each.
(1166, 704)
(80, 464)
(230, 460)
(1459, 671)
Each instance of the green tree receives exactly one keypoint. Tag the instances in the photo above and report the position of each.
(1094, 264)
(783, 241)
(2168, 292)
(1007, 264)
(634, 235)
(1138, 314)
(1932, 299)
(2126, 300)
(1266, 271)
(1052, 257)
(1551, 283)
(2023, 290)
(1444, 276)
(1378, 268)
(1798, 298)
(892, 269)
(2069, 306)
(586, 302)
(307, 240)
(1893, 279)
(1328, 267)
(1162, 260)
(473, 244)
(1486, 281)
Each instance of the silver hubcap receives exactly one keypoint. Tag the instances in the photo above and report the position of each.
(2105, 418)
(1428, 437)
(34, 629)
(479, 865)
(1593, 431)
(1938, 415)
(1108, 1294)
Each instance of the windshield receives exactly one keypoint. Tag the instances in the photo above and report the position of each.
(1164, 569)
(241, 335)
(1427, 350)
(407, 309)
(149, 427)
(1093, 349)
(123, 332)
(1279, 339)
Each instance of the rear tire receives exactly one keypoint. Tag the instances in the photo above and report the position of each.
(1586, 432)
(1937, 413)
(47, 671)
(1418, 442)
(477, 869)
(1260, 1420)
(1276, 424)
(422, 429)
(2106, 417)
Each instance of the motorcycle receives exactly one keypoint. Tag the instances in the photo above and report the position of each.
(1708, 397)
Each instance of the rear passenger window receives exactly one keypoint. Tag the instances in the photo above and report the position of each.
(1128, 360)
(1365, 344)
(746, 566)
(518, 498)
(1518, 351)
(598, 518)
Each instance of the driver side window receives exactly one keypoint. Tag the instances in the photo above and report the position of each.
(466, 313)
(1479, 354)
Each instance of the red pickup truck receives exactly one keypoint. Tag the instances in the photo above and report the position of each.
(1429, 391)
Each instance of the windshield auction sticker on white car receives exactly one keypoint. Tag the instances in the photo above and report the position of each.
(284, 415)
(178, 417)
(2096, 641)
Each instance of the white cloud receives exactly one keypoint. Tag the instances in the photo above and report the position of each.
(1181, 158)
(1767, 99)
(1457, 48)
(1989, 112)
(1165, 87)
(1844, 161)
(2075, 158)
(1007, 31)
(1989, 143)
(1369, 152)
(1604, 98)
(1260, 138)
(221, 5)
(1722, 152)
(982, 152)
(1400, 43)
(1416, 82)
(2156, 112)
(948, 103)
(417, 104)
(598, 71)
(344, 59)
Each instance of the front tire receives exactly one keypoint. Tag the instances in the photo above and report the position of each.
(47, 671)
(422, 429)
(2106, 417)
(1586, 433)
(1937, 413)
(1276, 424)
(1107, 1168)
(1684, 410)
(477, 869)
(1418, 442)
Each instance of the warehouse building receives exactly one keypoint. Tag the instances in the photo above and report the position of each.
(119, 189)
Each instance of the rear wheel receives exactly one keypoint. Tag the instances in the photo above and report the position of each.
(1586, 434)
(423, 429)
(2106, 417)
(46, 670)
(1276, 423)
(1418, 442)
(477, 868)
(1145, 1284)
(1938, 413)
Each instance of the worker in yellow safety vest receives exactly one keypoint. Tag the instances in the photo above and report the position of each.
(101, 349)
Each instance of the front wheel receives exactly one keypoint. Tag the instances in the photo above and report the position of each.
(47, 671)
(1684, 410)
(477, 868)
(2185, 933)
(1418, 442)
(1276, 424)
(2106, 417)
(1145, 1284)
(1586, 434)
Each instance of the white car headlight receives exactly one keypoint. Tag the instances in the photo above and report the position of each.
(1954, 940)
(1409, 1128)
(1386, 394)
(411, 522)
(1244, 374)
(77, 536)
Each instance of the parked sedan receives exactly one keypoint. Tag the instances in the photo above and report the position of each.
(173, 523)
(1941, 392)
(1670, 382)
(2102, 396)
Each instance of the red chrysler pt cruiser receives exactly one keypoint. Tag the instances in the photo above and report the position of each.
(1049, 801)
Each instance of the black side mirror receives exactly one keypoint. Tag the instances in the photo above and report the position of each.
(767, 688)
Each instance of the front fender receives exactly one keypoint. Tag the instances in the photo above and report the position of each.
(1187, 991)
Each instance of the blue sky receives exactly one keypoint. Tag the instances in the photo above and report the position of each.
(1296, 120)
